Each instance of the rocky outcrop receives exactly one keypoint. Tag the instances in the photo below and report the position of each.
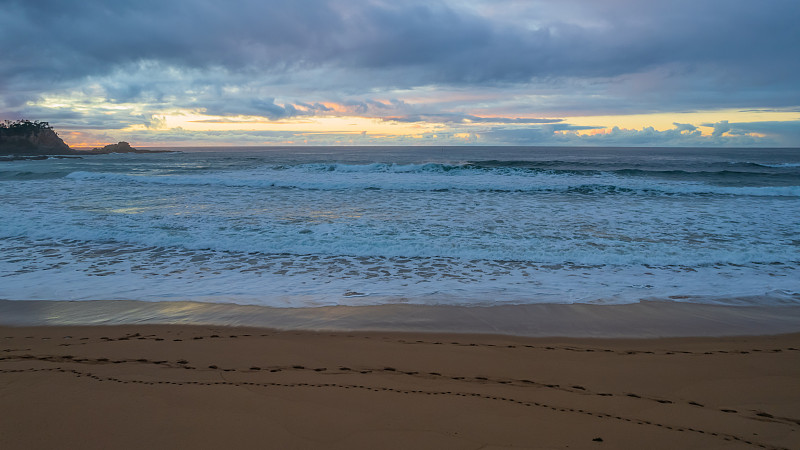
(24, 137)
(120, 147)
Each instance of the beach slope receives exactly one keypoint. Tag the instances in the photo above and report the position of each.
(168, 386)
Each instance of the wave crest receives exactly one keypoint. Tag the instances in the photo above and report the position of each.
(441, 177)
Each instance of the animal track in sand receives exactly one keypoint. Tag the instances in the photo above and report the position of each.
(524, 403)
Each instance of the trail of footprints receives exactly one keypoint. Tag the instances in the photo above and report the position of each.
(79, 374)
(603, 350)
(577, 389)
(84, 340)
(184, 364)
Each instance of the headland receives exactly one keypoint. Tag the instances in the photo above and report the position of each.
(25, 139)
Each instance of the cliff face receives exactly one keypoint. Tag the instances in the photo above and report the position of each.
(25, 138)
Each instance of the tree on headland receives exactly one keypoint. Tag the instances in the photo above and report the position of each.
(22, 127)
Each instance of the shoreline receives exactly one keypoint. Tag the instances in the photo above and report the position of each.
(646, 319)
(193, 386)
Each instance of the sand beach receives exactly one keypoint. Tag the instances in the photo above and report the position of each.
(210, 386)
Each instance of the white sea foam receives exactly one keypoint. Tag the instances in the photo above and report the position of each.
(607, 230)
(78, 271)
(436, 177)
(308, 234)
(782, 165)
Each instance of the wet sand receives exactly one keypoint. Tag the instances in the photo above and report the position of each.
(178, 386)
(644, 319)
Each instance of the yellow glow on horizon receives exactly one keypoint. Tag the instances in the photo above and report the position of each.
(311, 124)
(82, 140)
(150, 123)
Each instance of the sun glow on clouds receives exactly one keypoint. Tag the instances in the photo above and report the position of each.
(311, 124)
(398, 121)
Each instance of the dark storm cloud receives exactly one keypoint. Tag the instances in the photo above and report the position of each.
(196, 33)
(744, 42)
(47, 43)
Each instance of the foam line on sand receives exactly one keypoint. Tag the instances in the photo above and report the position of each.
(644, 319)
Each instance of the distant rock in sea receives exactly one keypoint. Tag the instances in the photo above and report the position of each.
(120, 147)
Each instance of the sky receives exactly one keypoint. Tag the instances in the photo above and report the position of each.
(162, 73)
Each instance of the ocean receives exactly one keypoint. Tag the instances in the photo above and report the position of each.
(472, 226)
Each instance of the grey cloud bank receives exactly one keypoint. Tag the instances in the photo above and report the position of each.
(286, 59)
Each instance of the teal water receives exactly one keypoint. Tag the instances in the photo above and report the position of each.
(300, 227)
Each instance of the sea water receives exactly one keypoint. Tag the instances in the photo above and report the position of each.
(314, 226)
